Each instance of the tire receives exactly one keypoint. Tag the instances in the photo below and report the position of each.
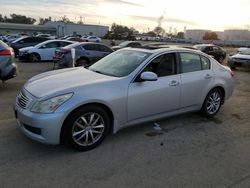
(34, 57)
(79, 133)
(212, 103)
(82, 62)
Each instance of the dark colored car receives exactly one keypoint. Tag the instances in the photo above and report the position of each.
(26, 42)
(86, 53)
(126, 44)
(8, 68)
(76, 39)
(217, 52)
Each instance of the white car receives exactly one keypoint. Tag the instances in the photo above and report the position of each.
(43, 51)
(93, 39)
(46, 36)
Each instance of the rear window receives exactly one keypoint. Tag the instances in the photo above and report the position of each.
(3, 46)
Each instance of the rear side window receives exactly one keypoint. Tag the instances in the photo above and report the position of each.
(105, 49)
(190, 62)
(91, 47)
(193, 62)
(51, 45)
(205, 63)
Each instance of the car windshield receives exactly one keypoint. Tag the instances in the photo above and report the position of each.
(199, 47)
(123, 44)
(120, 63)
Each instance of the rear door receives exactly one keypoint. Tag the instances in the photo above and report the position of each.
(196, 78)
(47, 51)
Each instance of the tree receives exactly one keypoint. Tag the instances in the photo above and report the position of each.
(180, 35)
(42, 21)
(151, 34)
(15, 18)
(210, 36)
(1, 18)
(159, 30)
(65, 19)
(120, 32)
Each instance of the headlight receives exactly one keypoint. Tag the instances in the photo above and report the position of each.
(50, 105)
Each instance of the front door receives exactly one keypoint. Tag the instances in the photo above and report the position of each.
(146, 98)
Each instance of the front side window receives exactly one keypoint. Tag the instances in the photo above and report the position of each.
(50, 45)
(190, 62)
(163, 65)
(120, 63)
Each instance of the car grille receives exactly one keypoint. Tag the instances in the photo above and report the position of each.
(22, 100)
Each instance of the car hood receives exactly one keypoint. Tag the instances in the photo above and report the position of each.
(64, 80)
(241, 56)
(26, 48)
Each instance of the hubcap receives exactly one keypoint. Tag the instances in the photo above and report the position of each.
(213, 103)
(88, 129)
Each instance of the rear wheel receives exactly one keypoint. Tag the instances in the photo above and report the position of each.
(34, 57)
(212, 103)
(86, 128)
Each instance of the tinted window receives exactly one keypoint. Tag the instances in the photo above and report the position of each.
(105, 49)
(205, 63)
(51, 45)
(190, 62)
(163, 65)
(134, 44)
(40, 39)
(92, 47)
(64, 43)
(28, 40)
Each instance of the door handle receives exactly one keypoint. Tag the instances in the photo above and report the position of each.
(208, 76)
(174, 83)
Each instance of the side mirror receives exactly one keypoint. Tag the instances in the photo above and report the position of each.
(148, 76)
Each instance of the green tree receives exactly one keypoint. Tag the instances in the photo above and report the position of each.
(159, 30)
(65, 19)
(180, 35)
(151, 34)
(42, 21)
(210, 36)
(121, 32)
(15, 18)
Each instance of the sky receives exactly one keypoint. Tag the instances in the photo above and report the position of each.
(143, 15)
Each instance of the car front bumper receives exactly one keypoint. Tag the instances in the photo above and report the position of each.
(43, 128)
(23, 56)
(11, 72)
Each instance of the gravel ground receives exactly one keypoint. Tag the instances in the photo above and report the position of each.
(190, 151)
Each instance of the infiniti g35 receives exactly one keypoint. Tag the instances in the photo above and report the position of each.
(81, 106)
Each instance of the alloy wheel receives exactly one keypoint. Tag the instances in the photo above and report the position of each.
(88, 129)
(213, 103)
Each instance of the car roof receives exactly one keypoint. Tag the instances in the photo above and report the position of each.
(167, 49)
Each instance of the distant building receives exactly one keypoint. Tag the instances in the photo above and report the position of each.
(82, 29)
(56, 28)
(195, 34)
(236, 34)
(12, 28)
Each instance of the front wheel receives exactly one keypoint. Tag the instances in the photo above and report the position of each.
(86, 128)
(212, 103)
(34, 57)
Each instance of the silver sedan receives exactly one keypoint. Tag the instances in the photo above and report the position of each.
(130, 86)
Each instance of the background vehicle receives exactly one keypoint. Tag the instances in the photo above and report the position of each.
(87, 53)
(76, 39)
(25, 42)
(93, 39)
(8, 68)
(217, 52)
(49, 36)
(43, 51)
(128, 87)
(241, 59)
(127, 44)
(11, 38)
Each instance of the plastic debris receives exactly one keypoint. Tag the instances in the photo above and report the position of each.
(157, 126)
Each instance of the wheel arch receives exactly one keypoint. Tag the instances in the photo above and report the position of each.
(105, 107)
